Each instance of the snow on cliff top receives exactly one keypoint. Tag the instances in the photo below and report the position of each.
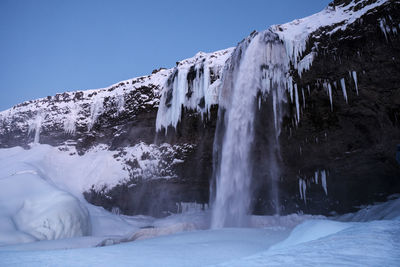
(82, 108)
(295, 33)
(157, 78)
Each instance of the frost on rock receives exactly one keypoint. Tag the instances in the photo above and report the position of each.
(193, 84)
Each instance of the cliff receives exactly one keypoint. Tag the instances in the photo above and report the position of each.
(336, 122)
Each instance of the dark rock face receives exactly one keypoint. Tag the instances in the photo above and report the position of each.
(353, 145)
(356, 143)
(161, 197)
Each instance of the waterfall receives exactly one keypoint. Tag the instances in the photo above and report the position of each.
(259, 64)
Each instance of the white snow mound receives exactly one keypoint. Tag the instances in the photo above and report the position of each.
(32, 209)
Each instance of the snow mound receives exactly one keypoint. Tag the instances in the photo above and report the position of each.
(31, 209)
(383, 211)
(312, 230)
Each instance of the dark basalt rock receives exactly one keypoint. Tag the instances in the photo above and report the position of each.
(163, 197)
(355, 143)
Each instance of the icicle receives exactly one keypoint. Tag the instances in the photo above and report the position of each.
(382, 23)
(355, 80)
(323, 182)
(274, 107)
(259, 103)
(297, 102)
(290, 88)
(316, 177)
(330, 95)
(304, 99)
(303, 189)
(343, 84)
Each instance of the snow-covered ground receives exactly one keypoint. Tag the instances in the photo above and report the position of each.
(44, 221)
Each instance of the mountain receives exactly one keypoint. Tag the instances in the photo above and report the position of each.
(310, 109)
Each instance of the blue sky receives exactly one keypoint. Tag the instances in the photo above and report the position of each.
(51, 46)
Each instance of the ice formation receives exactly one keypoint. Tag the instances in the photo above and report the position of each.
(303, 190)
(343, 84)
(96, 109)
(70, 120)
(323, 182)
(330, 95)
(382, 25)
(296, 97)
(354, 75)
(193, 84)
(35, 126)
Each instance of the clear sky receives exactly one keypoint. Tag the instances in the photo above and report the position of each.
(52, 46)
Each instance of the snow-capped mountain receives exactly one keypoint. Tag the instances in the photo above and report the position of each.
(325, 105)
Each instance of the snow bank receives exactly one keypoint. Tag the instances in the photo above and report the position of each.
(383, 211)
(311, 230)
(31, 209)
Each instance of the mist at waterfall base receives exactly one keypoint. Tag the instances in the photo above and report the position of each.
(256, 72)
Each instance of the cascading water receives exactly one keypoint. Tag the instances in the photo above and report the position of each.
(258, 65)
